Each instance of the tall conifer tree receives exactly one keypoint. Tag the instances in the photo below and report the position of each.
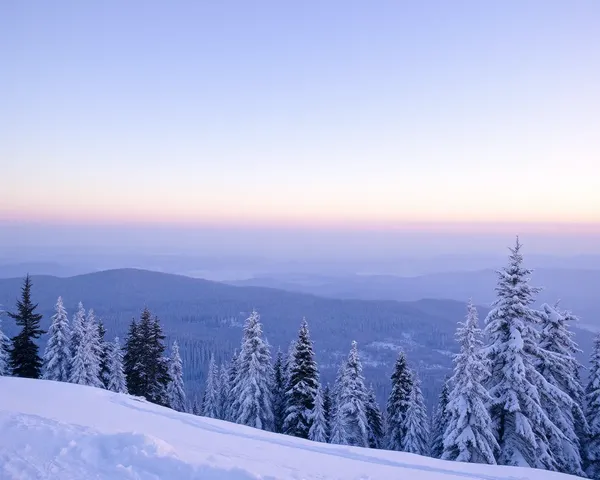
(398, 403)
(520, 423)
(469, 436)
(57, 356)
(302, 386)
(24, 358)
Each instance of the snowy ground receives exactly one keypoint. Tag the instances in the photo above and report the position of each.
(52, 430)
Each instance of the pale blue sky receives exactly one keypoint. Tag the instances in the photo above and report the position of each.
(312, 112)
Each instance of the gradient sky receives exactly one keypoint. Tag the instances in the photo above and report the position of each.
(300, 113)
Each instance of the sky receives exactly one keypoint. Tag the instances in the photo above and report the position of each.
(385, 115)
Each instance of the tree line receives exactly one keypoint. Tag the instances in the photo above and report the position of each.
(515, 396)
(77, 352)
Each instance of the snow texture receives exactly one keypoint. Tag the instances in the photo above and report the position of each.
(61, 431)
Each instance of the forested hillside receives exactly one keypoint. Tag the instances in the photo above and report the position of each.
(206, 317)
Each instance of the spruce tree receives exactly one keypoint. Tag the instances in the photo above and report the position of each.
(560, 369)
(210, 403)
(232, 373)
(116, 374)
(468, 436)
(103, 354)
(77, 326)
(327, 410)
(318, 424)
(146, 367)
(439, 423)
(224, 389)
(279, 393)
(351, 413)
(85, 365)
(24, 358)
(336, 427)
(4, 351)
(520, 423)
(93, 338)
(132, 365)
(592, 411)
(417, 433)
(302, 386)
(175, 390)
(253, 397)
(398, 403)
(57, 356)
(374, 420)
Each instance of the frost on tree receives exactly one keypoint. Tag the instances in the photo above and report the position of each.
(4, 346)
(253, 396)
(210, 403)
(77, 329)
(116, 374)
(57, 356)
(175, 390)
(302, 386)
(416, 423)
(318, 427)
(223, 392)
(85, 364)
(520, 423)
(439, 422)
(398, 403)
(592, 410)
(351, 424)
(232, 373)
(468, 435)
(560, 368)
(279, 393)
(374, 420)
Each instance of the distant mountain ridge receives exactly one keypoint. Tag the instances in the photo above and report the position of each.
(576, 288)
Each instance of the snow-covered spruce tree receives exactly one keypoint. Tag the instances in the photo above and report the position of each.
(519, 421)
(374, 420)
(560, 368)
(4, 347)
(103, 354)
(468, 436)
(116, 374)
(210, 403)
(77, 326)
(352, 426)
(223, 391)
(397, 404)
(318, 424)
(85, 364)
(57, 356)
(327, 410)
(232, 373)
(302, 386)
(253, 396)
(24, 358)
(175, 389)
(592, 411)
(132, 361)
(416, 423)
(439, 423)
(92, 336)
(336, 428)
(279, 393)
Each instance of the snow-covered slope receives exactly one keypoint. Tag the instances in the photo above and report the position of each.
(52, 430)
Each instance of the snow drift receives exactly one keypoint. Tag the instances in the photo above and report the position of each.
(51, 430)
